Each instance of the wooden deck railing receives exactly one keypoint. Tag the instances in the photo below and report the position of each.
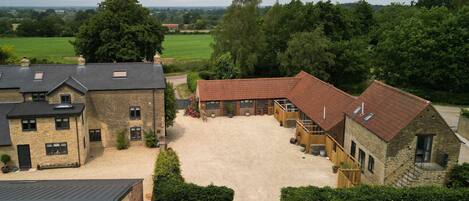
(282, 114)
(349, 169)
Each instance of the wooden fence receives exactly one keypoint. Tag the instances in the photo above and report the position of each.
(349, 170)
(282, 114)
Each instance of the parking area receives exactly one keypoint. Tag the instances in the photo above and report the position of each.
(251, 155)
(135, 162)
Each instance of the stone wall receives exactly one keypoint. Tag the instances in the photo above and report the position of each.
(463, 127)
(54, 97)
(371, 145)
(47, 133)
(402, 148)
(109, 111)
(10, 96)
(433, 178)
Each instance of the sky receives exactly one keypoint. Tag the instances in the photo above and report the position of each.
(161, 3)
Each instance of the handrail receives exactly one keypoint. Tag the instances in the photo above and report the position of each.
(307, 130)
(402, 165)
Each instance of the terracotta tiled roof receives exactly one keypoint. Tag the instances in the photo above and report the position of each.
(392, 109)
(242, 89)
(311, 95)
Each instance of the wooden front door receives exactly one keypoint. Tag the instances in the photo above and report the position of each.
(24, 157)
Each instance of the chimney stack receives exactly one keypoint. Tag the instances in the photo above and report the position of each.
(363, 109)
(81, 61)
(25, 62)
(157, 59)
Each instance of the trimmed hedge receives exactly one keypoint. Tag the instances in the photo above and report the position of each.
(192, 81)
(378, 193)
(169, 184)
(458, 177)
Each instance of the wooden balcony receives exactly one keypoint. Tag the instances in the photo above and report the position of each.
(307, 133)
(285, 112)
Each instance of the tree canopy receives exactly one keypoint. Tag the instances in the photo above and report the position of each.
(121, 30)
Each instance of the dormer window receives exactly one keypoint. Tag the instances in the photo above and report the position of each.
(38, 76)
(121, 74)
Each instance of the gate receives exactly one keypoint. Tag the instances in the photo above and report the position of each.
(182, 103)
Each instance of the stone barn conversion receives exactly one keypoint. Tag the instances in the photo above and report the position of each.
(399, 138)
(388, 135)
(50, 115)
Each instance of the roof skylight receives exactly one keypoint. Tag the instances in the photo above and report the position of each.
(119, 74)
(38, 75)
(368, 117)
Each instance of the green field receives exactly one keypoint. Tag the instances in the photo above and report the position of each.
(57, 49)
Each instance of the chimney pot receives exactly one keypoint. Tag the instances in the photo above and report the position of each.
(81, 61)
(25, 62)
(157, 59)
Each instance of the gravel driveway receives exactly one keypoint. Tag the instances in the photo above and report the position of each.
(135, 162)
(252, 155)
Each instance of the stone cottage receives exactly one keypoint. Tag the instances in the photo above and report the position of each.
(398, 138)
(52, 114)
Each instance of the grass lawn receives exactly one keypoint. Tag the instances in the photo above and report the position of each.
(183, 91)
(59, 49)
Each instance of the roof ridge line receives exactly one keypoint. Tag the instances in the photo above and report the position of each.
(250, 79)
(401, 91)
(331, 85)
(73, 78)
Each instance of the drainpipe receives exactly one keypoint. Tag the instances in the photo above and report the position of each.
(78, 141)
(154, 111)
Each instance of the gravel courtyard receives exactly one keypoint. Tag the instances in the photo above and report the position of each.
(251, 155)
(135, 162)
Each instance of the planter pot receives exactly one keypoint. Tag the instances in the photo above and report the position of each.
(212, 115)
(248, 114)
(5, 169)
(335, 169)
(230, 115)
(292, 140)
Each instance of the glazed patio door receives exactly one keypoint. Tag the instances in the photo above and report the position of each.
(423, 152)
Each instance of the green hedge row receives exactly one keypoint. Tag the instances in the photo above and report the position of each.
(169, 185)
(372, 193)
(192, 80)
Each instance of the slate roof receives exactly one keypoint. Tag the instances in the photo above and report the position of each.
(93, 76)
(4, 126)
(70, 190)
(393, 109)
(43, 109)
(73, 83)
(311, 95)
(242, 89)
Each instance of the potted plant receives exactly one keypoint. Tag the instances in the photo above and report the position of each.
(303, 147)
(5, 160)
(335, 168)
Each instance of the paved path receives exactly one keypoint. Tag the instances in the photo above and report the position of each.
(251, 155)
(177, 80)
(450, 114)
(136, 162)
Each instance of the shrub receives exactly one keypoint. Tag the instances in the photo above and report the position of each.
(192, 80)
(459, 176)
(382, 193)
(150, 139)
(5, 158)
(170, 105)
(207, 75)
(169, 184)
(122, 142)
(465, 112)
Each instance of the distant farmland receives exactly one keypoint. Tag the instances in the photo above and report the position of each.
(59, 49)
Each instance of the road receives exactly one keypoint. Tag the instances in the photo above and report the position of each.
(177, 80)
(450, 114)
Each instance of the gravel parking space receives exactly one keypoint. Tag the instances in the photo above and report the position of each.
(252, 155)
(135, 162)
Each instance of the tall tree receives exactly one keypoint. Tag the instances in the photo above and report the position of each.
(224, 68)
(308, 51)
(239, 33)
(364, 15)
(121, 30)
(434, 3)
(6, 55)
